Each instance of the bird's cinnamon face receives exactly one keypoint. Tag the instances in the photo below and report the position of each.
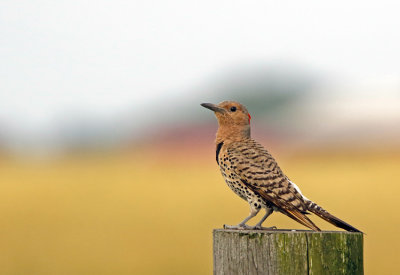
(234, 111)
(233, 119)
(229, 113)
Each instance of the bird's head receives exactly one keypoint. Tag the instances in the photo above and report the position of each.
(233, 120)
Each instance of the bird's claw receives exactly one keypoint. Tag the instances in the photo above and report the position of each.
(259, 227)
(247, 227)
(239, 226)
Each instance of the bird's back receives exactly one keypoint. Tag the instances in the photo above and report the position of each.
(247, 163)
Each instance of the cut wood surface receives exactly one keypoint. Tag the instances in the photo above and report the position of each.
(287, 252)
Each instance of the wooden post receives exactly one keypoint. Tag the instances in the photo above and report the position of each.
(287, 252)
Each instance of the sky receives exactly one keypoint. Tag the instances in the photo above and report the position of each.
(100, 58)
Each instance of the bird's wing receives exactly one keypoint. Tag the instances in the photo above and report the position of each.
(259, 171)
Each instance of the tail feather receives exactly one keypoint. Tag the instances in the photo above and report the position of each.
(301, 218)
(322, 213)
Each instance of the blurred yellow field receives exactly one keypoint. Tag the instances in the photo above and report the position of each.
(137, 214)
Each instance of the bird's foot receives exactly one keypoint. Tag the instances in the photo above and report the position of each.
(259, 227)
(239, 226)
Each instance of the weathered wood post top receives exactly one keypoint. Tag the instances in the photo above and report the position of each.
(287, 252)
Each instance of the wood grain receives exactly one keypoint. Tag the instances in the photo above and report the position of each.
(287, 252)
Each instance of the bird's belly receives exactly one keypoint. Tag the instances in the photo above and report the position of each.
(235, 185)
(248, 195)
(236, 188)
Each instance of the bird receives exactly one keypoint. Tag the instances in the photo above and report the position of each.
(254, 175)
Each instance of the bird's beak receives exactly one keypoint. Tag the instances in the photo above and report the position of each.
(213, 107)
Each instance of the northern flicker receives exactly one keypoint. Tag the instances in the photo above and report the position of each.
(253, 174)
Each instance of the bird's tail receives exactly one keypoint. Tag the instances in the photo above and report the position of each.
(322, 213)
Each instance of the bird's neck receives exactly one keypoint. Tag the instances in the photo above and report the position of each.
(232, 134)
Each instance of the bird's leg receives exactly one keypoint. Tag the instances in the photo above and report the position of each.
(258, 225)
(242, 224)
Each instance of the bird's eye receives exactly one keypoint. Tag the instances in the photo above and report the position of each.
(233, 109)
